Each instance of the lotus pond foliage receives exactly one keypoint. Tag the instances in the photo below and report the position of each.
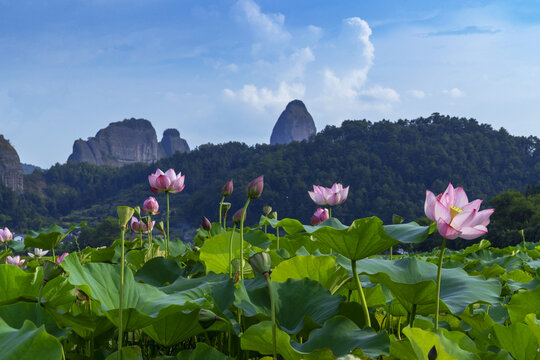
(274, 289)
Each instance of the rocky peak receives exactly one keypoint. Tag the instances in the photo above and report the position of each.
(126, 142)
(294, 124)
(171, 142)
(11, 174)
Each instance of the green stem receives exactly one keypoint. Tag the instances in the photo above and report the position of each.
(230, 251)
(274, 325)
(121, 295)
(220, 207)
(413, 316)
(362, 297)
(53, 256)
(168, 234)
(443, 246)
(277, 233)
(5, 245)
(242, 240)
(390, 252)
(150, 233)
(329, 212)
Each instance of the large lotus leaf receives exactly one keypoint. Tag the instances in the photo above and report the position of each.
(408, 233)
(296, 301)
(128, 353)
(461, 255)
(158, 272)
(50, 237)
(518, 340)
(257, 238)
(58, 293)
(534, 325)
(215, 252)
(28, 343)
(302, 244)
(319, 268)
(217, 286)
(524, 303)
(365, 237)
(201, 351)
(174, 328)
(103, 254)
(176, 247)
(15, 314)
(413, 282)
(445, 343)
(85, 319)
(291, 226)
(142, 303)
(16, 284)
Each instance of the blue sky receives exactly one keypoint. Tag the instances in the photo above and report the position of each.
(224, 70)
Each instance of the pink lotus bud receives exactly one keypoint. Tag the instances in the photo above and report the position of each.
(255, 187)
(166, 181)
(319, 216)
(237, 217)
(61, 257)
(5, 235)
(151, 206)
(135, 224)
(15, 260)
(227, 189)
(206, 224)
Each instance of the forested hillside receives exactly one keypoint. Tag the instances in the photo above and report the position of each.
(388, 166)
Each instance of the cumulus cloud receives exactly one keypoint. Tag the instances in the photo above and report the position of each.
(267, 26)
(419, 94)
(454, 93)
(263, 98)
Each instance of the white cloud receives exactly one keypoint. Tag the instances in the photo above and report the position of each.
(454, 93)
(378, 93)
(268, 26)
(264, 98)
(298, 62)
(419, 94)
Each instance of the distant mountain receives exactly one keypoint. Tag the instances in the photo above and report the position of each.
(294, 124)
(28, 168)
(11, 173)
(127, 142)
(388, 166)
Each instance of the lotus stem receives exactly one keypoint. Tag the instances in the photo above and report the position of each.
(329, 212)
(413, 315)
(273, 309)
(230, 251)
(220, 206)
(390, 252)
(168, 234)
(242, 239)
(53, 255)
(439, 268)
(362, 297)
(121, 294)
(277, 233)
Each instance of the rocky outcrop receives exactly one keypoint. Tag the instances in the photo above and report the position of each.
(127, 142)
(171, 143)
(294, 124)
(11, 174)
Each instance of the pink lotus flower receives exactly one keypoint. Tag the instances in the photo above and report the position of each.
(140, 226)
(166, 182)
(151, 206)
(319, 216)
(336, 195)
(5, 235)
(255, 187)
(455, 215)
(15, 260)
(227, 189)
(61, 258)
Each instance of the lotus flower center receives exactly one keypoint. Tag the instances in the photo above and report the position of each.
(454, 210)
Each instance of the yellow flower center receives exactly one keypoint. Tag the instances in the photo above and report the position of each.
(454, 210)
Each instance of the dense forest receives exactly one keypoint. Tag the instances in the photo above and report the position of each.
(388, 166)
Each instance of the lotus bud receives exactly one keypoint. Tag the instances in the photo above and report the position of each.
(61, 258)
(206, 224)
(255, 188)
(160, 227)
(5, 235)
(261, 263)
(273, 215)
(267, 209)
(124, 214)
(135, 224)
(237, 217)
(396, 219)
(207, 318)
(137, 211)
(151, 206)
(225, 209)
(227, 189)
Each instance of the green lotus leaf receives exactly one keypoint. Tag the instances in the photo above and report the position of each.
(534, 325)
(143, 304)
(518, 340)
(319, 268)
(291, 226)
(58, 293)
(447, 344)
(408, 233)
(215, 252)
(176, 247)
(16, 284)
(174, 328)
(298, 300)
(201, 351)
(412, 281)
(28, 343)
(257, 238)
(83, 320)
(158, 271)
(14, 316)
(524, 303)
(128, 353)
(302, 244)
(50, 237)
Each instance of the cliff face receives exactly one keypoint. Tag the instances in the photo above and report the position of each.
(294, 124)
(11, 174)
(126, 142)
